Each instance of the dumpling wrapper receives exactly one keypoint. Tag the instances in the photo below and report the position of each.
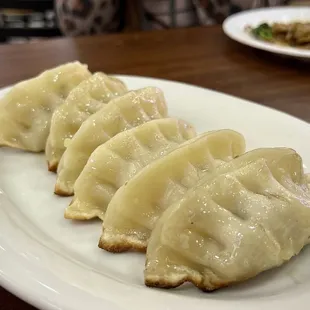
(84, 100)
(232, 227)
(115, 162)
(26, 110)
(120, 114)
(134, 210)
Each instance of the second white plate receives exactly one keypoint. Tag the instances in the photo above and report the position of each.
(234, 26)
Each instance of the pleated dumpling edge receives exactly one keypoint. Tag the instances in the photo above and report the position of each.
(232, 226)
(136, 206)
(26, 110)
(122, 113)
(115, 162)
(84, 100)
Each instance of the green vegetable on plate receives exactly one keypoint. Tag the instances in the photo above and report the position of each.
(263, 32)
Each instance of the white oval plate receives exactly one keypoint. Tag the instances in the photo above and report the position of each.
(55, 263)
(234, 26)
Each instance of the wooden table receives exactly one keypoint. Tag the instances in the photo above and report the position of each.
(200, 56)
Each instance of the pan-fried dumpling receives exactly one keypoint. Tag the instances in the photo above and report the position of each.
(135, 208)
(84, 100)
(118, 160)
(232, 227)
(122, 113)
(26, 110)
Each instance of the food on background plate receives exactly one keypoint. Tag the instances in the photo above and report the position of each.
(26, 110)
(84, 100)
(122, 113)
(295, 34)
(115, 162)
(232, 226)
(136, 206)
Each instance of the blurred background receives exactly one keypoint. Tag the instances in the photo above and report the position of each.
(21, 20)
(29, 20)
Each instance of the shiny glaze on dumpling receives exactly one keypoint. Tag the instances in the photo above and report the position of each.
(232, 226)
(122, 113)
(135, 208)
(26, 110)
(84, 100)
(115, 162)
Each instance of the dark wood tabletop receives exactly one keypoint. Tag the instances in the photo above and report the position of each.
(200, 56)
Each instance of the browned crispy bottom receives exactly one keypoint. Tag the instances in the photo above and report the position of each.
(58, 191)
(162, 283)
(122, 246)
(52, 167)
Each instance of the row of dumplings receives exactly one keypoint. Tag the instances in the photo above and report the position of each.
(202, 208)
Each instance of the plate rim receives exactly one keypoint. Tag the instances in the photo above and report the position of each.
(25, 292)
(261, 45)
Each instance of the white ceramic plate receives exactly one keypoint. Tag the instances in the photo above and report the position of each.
(234, 27)
(55, 263)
